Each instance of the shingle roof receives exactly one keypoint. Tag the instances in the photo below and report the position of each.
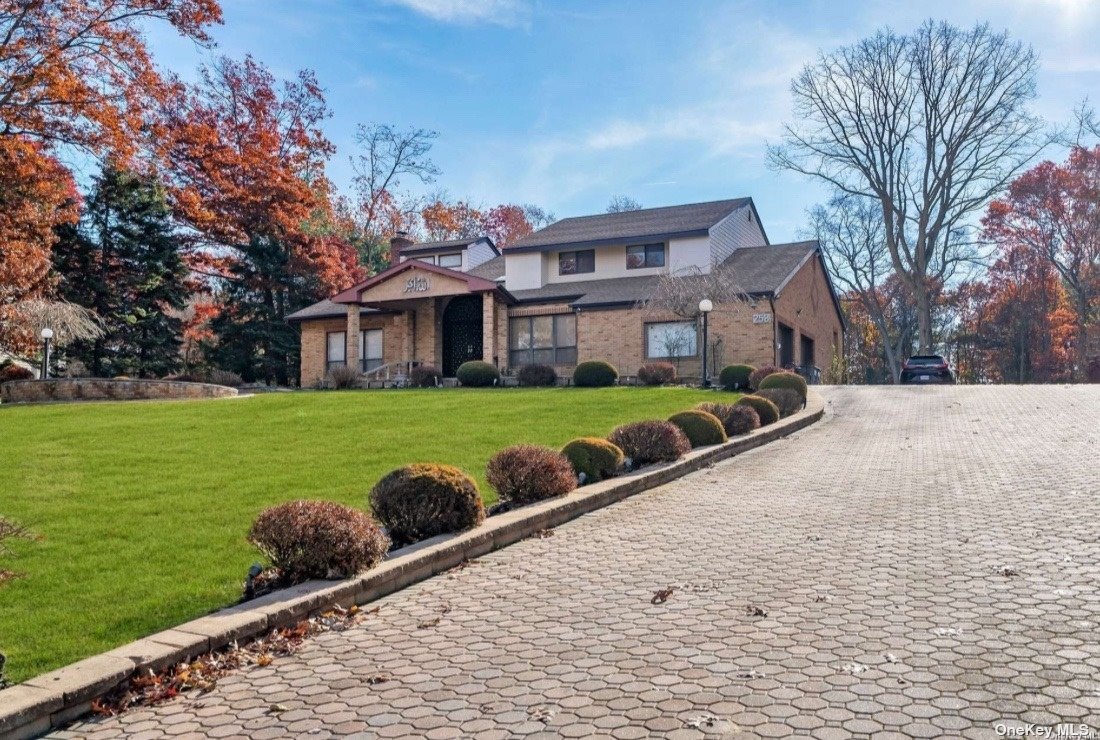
(684, 220)
(766, 269)
(448, 244)
(324, 310)
(491, 270)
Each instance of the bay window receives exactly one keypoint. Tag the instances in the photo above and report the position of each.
(542, 340)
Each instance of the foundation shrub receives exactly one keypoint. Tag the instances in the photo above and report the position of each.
(595, 374)
(596, 458)
(767, 411)
(657, 373)
(318, 539)
(789, 381)
(646, 442)
(524, 474)
(760, 373)
(701, 427)
(424, 376)
(537, 376)
(15, 372)
(787, 401)
(421, 500)
(735, 377)
(343, 377)
(477, 374)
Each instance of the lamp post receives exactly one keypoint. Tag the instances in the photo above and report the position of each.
(705, 307)
(47, 335)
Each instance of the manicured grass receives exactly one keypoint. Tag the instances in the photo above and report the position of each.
(143, 507)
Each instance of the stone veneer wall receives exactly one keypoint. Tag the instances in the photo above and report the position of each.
(101, 389)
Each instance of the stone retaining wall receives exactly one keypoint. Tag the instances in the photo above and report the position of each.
(102, 389)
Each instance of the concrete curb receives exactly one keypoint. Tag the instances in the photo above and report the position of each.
(56, 698)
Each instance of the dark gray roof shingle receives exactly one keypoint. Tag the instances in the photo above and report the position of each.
(693, 218)
(765, 269)
(433, 246)
(490, 270)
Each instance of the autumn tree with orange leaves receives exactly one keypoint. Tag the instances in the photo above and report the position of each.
(246, 170)
(1053, 212)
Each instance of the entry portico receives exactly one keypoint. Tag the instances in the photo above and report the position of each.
(432, 315)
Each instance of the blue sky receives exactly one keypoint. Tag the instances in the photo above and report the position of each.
(565, 104)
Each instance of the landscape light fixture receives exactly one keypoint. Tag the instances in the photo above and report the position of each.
(705, 307)
(47, 335)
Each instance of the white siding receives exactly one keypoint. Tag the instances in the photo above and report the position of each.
(476, 254)
(523, 271)
(685, 254)
(739, 229)
(610, 263)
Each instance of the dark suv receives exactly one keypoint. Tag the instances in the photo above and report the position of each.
(926, 369)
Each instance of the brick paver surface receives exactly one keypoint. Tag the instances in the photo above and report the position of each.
(923, 563)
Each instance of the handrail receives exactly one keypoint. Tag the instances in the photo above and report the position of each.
(402, 366)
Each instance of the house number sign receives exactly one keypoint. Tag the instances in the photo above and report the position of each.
(418, 285)
(761, 318)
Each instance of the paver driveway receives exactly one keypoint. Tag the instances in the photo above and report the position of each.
(925, 561)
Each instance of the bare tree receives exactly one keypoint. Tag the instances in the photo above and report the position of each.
(67, 320)
(1087, 125)
(930, 126)
(537, 216)
(623, 203)
(850, 231)
(387, 155)
(679, 293)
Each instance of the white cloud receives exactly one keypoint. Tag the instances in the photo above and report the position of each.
(496, 12)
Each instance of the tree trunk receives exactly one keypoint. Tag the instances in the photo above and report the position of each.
(1080, 373)
(924, 318)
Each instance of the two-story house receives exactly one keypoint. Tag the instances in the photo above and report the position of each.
(577, 290)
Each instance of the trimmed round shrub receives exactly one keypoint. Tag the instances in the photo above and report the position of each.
(537, 376)
(477, 374)
(425, 376)
(318, 539)
(421, 500)
(646, 442)
(731, 415)
(596, 458)
(741, 420)
(787, 401)
(765, 409)
(523, 474)
(595, 374)
(735, 377)
(702, 428)
(791, 381)
(657, 373)
(15, 372)
(758, 375)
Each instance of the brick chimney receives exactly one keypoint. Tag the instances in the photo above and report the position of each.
(399, 241)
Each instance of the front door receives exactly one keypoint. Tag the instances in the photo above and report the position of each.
(461, 332)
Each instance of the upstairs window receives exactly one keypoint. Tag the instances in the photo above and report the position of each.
(575, 263)
(451, 261)
(645, 255)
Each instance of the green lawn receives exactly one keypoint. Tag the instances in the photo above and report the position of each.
(143, 507)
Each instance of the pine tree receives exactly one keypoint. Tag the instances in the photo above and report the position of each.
(123, 262)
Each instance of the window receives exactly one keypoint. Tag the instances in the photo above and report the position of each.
(645, 255)
(336, 348)
(670, 339)
(807, 351)
(451, 261)
(575, 263)
(543, 340)
(370, 349)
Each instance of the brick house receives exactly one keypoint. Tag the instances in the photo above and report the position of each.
(575, 291)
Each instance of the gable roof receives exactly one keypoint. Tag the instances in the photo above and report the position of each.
(693, 219)
(474, 283)
(767, 269)
(430, 247)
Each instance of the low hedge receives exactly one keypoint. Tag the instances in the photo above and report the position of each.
(646, 442)
(523, 474)
(741, 419)
(787, 401)
(421, 500)
(596, 458)
(318, 539)
(657, 373)
(425, 376)
(790, 381)
(595, 374)
(735, 377)
(765, 409)
(477, 374)
(702, 428)
(757, 376)
(537, 376)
